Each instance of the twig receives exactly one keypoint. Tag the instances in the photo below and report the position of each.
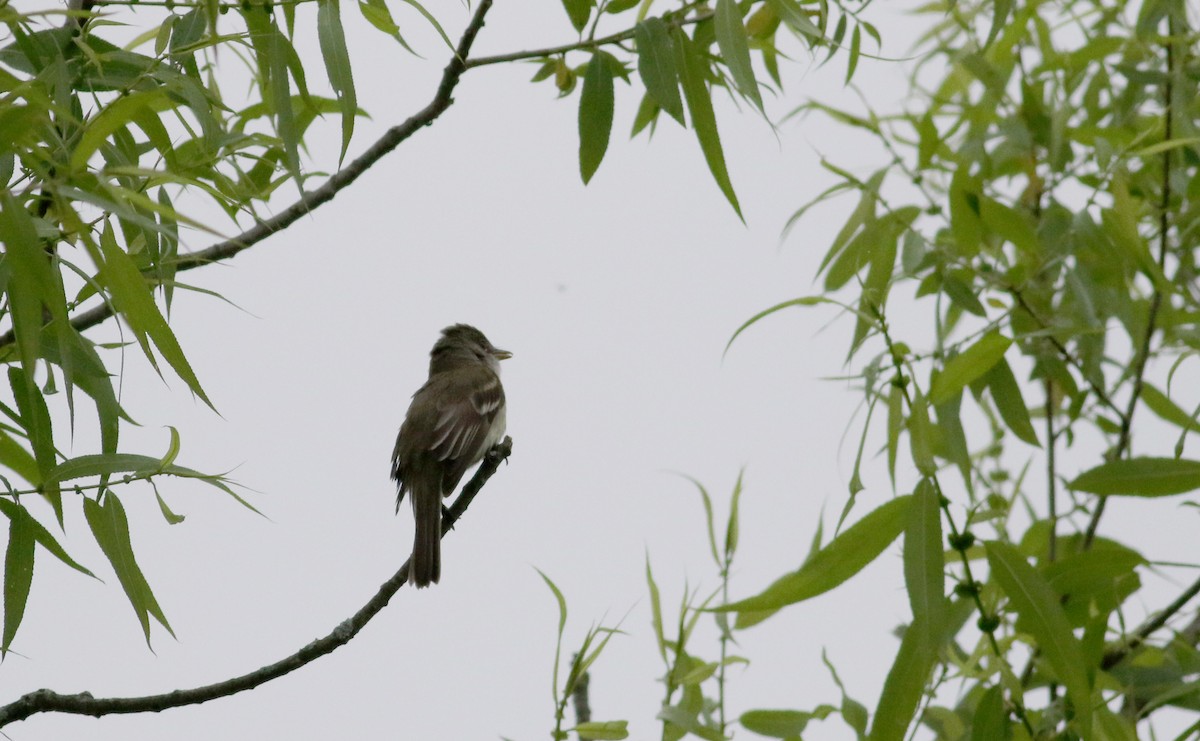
(1051, 472)
(1114, 656)
(550, 51)
(45, 701)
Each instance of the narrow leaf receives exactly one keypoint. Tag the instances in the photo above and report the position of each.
(136, 304)
(43, 537)
(603, 730)
(1140, 477)
(18, 576)
(693, 71)
(905, 684)
(837, 562)
(924, 562)
(332, 39)
(968, 365)
(111, 530)
(735, 49)
(1038, 606)
(656, 66)
(1006, 394)
(595, 114)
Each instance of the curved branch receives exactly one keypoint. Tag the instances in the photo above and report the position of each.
(391, 139)
(46, 701)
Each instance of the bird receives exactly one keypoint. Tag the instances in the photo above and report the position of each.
(451, 423)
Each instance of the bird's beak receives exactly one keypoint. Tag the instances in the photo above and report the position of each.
(501, 354)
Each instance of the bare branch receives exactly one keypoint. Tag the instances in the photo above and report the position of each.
(47, 701)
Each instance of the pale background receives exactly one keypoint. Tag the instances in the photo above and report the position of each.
(617, 301)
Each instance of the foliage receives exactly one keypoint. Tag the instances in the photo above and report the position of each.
(1039, 204)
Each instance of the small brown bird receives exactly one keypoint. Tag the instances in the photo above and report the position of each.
(452, 422)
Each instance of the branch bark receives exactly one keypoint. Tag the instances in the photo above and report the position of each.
(49, 701)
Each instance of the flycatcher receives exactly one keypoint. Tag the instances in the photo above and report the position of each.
(452, 422)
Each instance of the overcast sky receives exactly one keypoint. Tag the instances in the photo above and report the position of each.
(616, 300)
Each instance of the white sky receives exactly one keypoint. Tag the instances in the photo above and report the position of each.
(616, 300)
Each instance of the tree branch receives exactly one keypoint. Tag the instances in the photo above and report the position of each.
(391, 139)
(1114, 656)
(45, 701)
(550, 51)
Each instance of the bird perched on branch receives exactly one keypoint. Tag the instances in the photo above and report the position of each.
(452, 422)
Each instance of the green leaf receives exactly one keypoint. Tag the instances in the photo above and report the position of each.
(782, 723)
(990, 722)
(379, 15)
(595, 113)
(337, 65)
(279, 88)
(1037, 605)
(1006, 393)
(656, 66)
(855, 50)
(18, 576)
(837, 562)
(656, 610)
(43, 537)
(968, 365)
(1095, 581)
(1011, 225)
(578, 11)
(433, 22)
(562, 623)
(920, 436)
(735, 49)
(805, 301)
(30, 286)
(140, 106)
(924, 562)
(905, 683)
(111, 530)
(731, 529)
(1164, 146)
(603, 730)
(965, 223)
(168, 515)
(35, 418)
(18, 459)
(1163, 407)
(1140, 477)
(895, 424)
(790, 12)
(136, 304)
(693, 72)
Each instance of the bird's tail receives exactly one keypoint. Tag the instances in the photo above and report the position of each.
(426, 565)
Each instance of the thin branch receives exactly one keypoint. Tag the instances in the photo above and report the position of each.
(1051, 471)
(391, 139)
(550, 51)
(1114, 656)
(1156, 298)
(46, 701)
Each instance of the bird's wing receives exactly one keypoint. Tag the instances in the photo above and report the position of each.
(467, 405)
